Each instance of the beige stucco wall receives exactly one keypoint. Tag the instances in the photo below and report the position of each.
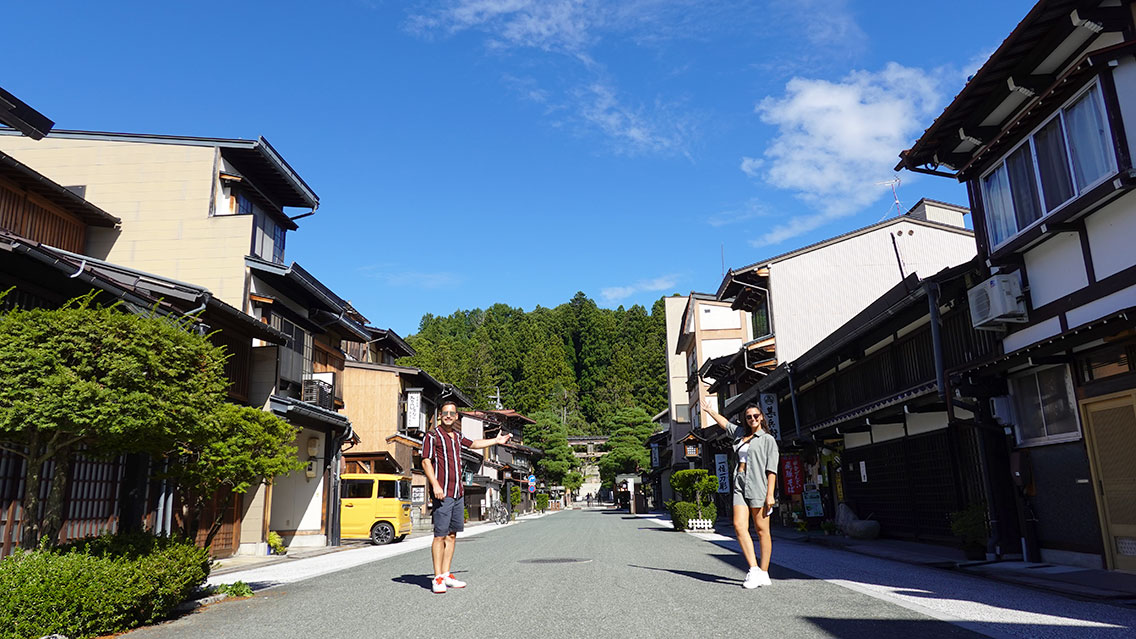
(164, 194)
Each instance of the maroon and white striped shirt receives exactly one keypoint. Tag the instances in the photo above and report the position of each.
(444, 452)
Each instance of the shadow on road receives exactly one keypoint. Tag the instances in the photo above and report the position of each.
(693, 574)
(422, 581)
(887, 628)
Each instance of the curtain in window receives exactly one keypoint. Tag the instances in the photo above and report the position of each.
(1023, 187)
(1088, 140)
(999, 211)
(1027, 408)
(1053, 164)
(1056, 401)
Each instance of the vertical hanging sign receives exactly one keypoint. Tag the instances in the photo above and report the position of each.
(768, 403)
(791, 474)
(722, 469)
(413, 409)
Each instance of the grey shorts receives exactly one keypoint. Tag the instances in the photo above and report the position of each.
(449, 516)
(739, 496)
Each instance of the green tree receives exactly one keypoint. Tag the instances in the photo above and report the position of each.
(573, 480)
(695, 484)
(241, 448)
(627, 447)
(102, 381)
(550, 436)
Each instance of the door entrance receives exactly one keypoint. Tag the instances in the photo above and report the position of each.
(1110, 432)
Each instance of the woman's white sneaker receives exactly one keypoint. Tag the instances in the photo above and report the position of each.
(452, 581)
(752, 580)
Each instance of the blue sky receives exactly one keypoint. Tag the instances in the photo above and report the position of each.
(468, 152)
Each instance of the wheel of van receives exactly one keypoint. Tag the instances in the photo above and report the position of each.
(382, 533)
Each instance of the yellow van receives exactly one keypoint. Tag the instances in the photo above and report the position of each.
(374, 506)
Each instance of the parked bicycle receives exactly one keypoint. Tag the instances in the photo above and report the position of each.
(499, 513)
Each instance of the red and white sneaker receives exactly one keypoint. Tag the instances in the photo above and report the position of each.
(450, 580)
(438, 585)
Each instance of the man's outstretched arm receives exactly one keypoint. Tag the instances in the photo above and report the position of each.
(491, 441)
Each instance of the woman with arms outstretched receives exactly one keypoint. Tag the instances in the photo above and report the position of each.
(754, 481)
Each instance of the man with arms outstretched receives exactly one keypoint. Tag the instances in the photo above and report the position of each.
(441, 461)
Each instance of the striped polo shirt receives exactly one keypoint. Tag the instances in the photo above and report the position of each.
(444, 452)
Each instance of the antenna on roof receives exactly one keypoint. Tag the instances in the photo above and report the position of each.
(894, 184)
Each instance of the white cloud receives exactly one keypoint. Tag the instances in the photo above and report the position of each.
(829, 23)
(615, 293)
(633, 130)
(419, 279)
(836, 141)
(750, 166)
(570, 31)
(748, 211)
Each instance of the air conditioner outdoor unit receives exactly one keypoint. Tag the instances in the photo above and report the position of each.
(997, 301)
(319, 389)
(1002, 409)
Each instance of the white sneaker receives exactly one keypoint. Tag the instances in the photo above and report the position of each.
(453, 582)
(753, 579)
(438, 585)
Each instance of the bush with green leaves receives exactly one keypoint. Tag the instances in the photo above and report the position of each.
(683, 511)
(97, 586)
(696, 485)
(541, 502)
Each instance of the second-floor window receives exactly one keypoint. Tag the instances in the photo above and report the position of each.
(1069, 154)
(267, 236)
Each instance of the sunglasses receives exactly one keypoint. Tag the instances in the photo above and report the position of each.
(449, 412)
(752, 418)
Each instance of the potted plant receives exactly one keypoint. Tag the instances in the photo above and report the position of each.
(276, 544)
(969, 525)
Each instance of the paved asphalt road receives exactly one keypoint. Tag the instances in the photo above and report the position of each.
(633, 577)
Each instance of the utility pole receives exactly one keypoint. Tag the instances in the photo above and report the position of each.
(496, 397)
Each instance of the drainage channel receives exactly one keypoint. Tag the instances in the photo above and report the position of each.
(554, 560)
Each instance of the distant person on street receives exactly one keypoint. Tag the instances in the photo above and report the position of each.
(442, 464)
(589, 500)
(754, 481)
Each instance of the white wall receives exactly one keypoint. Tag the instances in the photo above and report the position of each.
(815, 293)
(1125, 78)
(1055, 268)
(1111, 232)
(713, 318)
(712, 348)
(297, 502)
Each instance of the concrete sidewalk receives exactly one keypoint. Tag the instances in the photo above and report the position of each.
(1071, 581)
(1106, 586)
(265, 571)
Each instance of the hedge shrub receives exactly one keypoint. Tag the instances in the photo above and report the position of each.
(98, 586)
(683, 511)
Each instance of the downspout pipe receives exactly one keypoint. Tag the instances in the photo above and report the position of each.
(793, 397)
(932, 289)
(334, 457)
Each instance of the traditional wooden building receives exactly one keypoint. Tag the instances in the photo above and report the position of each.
(866, 415)
(216, 212)
(1042, 135)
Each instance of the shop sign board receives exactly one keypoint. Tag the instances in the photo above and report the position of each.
(792, 474)
(814, 507)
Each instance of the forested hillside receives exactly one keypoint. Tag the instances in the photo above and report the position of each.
(579, 361)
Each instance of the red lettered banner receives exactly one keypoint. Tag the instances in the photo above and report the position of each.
(791, 474)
